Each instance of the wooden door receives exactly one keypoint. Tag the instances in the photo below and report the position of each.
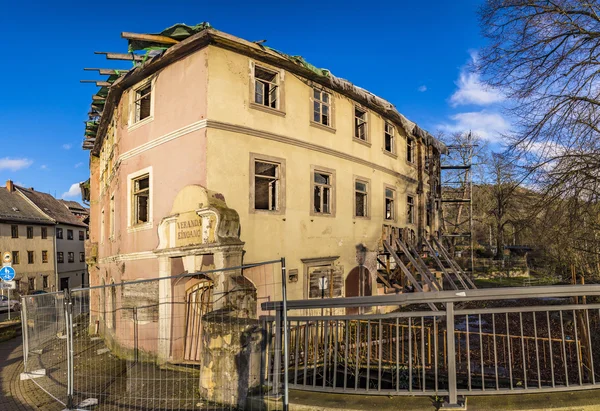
(198, 303)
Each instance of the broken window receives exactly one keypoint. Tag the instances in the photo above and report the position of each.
(44, 256)
(29, 232)
(71, 257)
(266, 87)
(389, 135)
(142, 103)
(60, 257)
(360, 197)
(266, 185)
(15, 257)
(29, 257)
(141, 196)
(409, 150)
(321, 107)
(360, 124)
(410, 209)
(390, 210)
(322, 186)
(14, 231)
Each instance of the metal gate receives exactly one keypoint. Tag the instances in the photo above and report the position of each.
(198, 303)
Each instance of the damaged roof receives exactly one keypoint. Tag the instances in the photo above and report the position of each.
(15, 208)
(51, 207)
(152, 52)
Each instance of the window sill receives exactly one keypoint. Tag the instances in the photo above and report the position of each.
(140, 123)
(390, 154)
(412, 164)
(356, 217)
(140, 227)
(329, 215)
(267, 212)
(322, 126)
(266, 109)
(363, 142)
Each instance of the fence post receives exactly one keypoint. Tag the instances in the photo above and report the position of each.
(277, 352)
(68, 306)
(286, 354)
(24, 331)
(452, 397)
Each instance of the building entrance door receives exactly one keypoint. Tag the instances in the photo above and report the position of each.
(198, 303)
(64, 283)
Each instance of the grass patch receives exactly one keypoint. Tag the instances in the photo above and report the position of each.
(8, 335)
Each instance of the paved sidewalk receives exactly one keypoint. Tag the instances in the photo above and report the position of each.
(17, 395)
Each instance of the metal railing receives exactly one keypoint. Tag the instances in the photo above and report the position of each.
(479, 342)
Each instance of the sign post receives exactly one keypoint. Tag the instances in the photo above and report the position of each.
(7, 273)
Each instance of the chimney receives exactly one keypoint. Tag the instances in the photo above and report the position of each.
(10, 186)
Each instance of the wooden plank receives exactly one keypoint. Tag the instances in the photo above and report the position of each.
(120, 56)
(152, 38)
(98, 98)
(107, 72)
(99, 83)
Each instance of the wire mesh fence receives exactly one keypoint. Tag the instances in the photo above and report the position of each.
(186, 342)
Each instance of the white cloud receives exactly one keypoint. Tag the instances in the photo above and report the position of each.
(74, 191)
(471, 90)
(78, 165)
(67, 146)
(422, 88)
(14, 164)
(44, 167)
(488, 125)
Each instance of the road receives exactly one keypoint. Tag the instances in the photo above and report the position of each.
(4, 315)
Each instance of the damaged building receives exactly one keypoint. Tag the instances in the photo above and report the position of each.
(213, 151)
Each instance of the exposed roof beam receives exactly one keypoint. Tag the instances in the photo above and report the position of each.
(153, 38)
(107, 72)
(99, 83)
(120, 56)
(98, 98)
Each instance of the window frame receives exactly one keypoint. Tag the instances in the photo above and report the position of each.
(70, 256)
(133, 120)
(44, 281)
(30, 257)
(309, 263)
(367, 193)
(29, 232)
(14, 231)
(81, 235)
(410, 209)
(60, 257)
(111, 214)
(59, 233)
(131, 227)
(280, 75)
(44, 233)
(394, 199)
(331, 105)
(44, 256)
(332, 190)
(392, 134)
(366, 122)
(70, 234)
(30, 283)
(410, 143)
(81, 257)
(281, 198)
(16, 258)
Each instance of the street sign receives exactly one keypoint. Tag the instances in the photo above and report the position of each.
(8, 285)
(7, 258)
(7, 273)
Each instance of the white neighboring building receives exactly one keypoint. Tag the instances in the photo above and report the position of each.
(70, 236)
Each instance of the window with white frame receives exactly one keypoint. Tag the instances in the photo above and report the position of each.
(361, 192)
(390, 204)
(389, 143)
(141, 197)
(360, 124)
(322, 192)
(266, 87)
(322, 109)
(267, 185)
(142, 103)
(111, 217)
(410, 146)
(410, 209)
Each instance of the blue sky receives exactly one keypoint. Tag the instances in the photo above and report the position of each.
(412, 53)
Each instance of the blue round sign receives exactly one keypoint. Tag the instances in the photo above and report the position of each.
(7, 273)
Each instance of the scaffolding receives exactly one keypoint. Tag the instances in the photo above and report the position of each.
(457, 202)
